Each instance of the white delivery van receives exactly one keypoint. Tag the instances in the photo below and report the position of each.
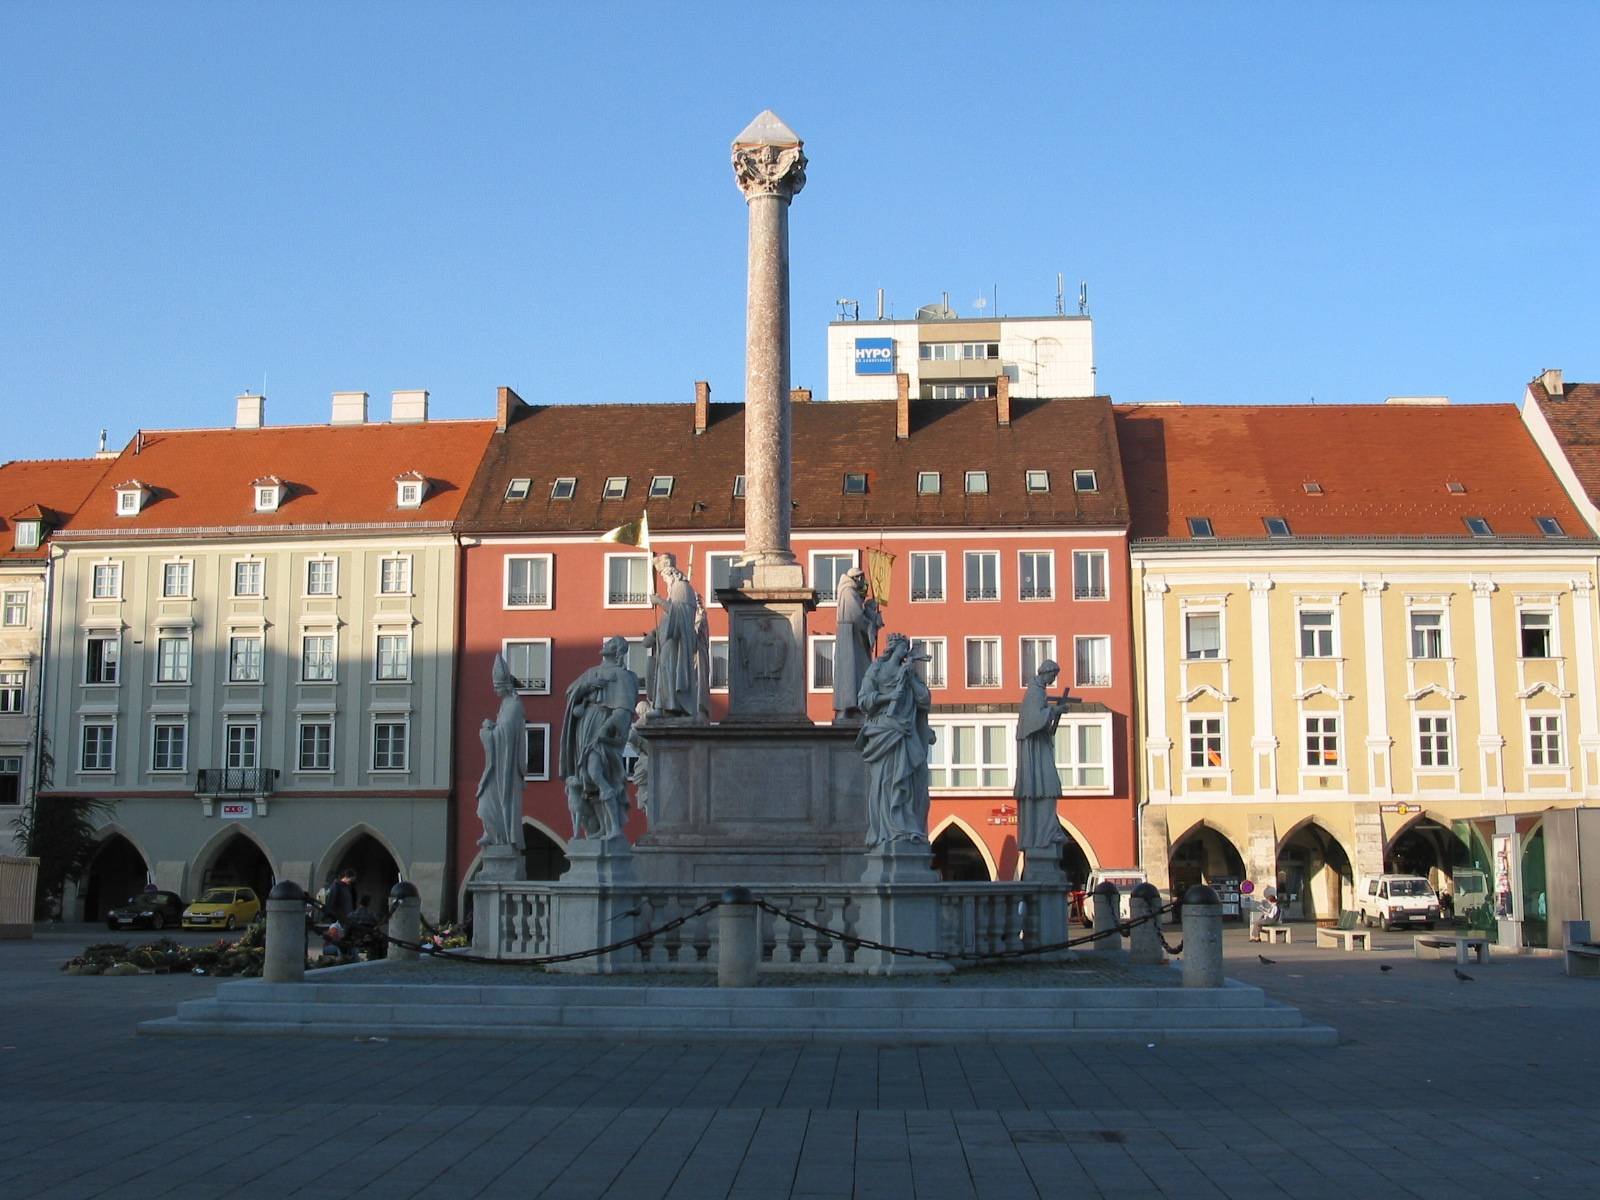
(1391, 901)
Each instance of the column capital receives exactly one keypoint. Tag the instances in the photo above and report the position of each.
(1372, 587)
(1484, 587)
(1261, 583)
(768, 159)
(1155, 586)
(1582, 585)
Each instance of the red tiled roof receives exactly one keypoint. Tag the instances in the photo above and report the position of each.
(829, 439)
(48, 490)
(1574, 418)
(335, 475)
(1383, 470)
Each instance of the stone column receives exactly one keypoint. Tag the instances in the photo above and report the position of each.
(285, 958)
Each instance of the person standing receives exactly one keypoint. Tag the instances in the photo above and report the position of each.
(341, 896)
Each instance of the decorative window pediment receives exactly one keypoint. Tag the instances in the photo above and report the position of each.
(1205, 689)
(1534, 689)
(1434, 689)
(1321, 689)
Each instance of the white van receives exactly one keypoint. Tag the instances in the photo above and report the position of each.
(1398, 900)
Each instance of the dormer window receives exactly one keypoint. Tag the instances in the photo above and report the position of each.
(269, 493)
(563, 488)
(409, 489)
(29, 534)
(517, 489)
(660, 487)
(616, 488)
(131, 497)
(855, 483)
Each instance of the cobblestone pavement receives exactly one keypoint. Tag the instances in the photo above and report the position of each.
(1439, 1089)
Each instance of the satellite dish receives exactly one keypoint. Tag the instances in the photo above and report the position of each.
(936, 312)
(981, 303)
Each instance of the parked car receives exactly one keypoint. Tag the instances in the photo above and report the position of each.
(222, 908)
(1398, 900)
(148, 910)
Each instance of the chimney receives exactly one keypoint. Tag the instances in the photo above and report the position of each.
(407, 408)
(1002, 399)
(507, 402)
(349, 408)
(1551, 379)
(902, 406)
(249, 411)
(702, 406)
(799, 395)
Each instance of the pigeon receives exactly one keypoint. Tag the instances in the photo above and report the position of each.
(1462, 975)
(1385, 966)
(1272, 962)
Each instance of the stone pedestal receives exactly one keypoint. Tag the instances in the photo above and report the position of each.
(767, 645)
(900, 862)
(596, 861)
(1043, 866)
(501, 863)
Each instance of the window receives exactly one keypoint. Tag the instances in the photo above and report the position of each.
(176, 580)
(1550, 527)
(1036, 481)
(389, 738)
(1089, 575)
(128, 502)
(1544, 740)
(982, 574)
(1205, 743)
(169, 746)
(528, 581)
(616, 488)
(639, 661)
(1427, 635)
(13, 691)
(530, 665)
(1478, 526)
(1200, 527)
(394, 576)
(1433, 741)
(104, 653)
(1311, 487)
(660, 487)
(518, 489)
(267, 498)
(16, 608)
(107, 581)
(317, 658)
(1035, 650)
(855, 483)
(408, 490)
(99, 746)
(971, 755)
(29, 535)
(316, 745)
(822, 664)
(244, 658)
(738, 487)
(719, 664)
(563, 488)
(927, 483)
(1316, 635)
(827, 568)
(320, 576)
(719, 575)
(1322, 742)
(932, 671)
(1536, 634)
(536, 752)
(1202, 635)
(248, 577)
(927, 575)
(11, 779)
(1092, 656)
(983, 662)
(242, 746)
(1277, 527)
(977, 483)
(1037, 570)
(959, 391)
(1455, 487)
(172, 658)
(394, 656)
(627, 580)
(1081, 753)
(1085, 481)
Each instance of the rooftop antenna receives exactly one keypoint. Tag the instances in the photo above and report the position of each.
(102, 441)
(1083, 299)
(849, 310)
(981, 303)
(1061, 296)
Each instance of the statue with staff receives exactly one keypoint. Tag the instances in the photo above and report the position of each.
(1038, 787)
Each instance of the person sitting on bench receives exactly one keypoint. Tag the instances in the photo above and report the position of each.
(1266, 913)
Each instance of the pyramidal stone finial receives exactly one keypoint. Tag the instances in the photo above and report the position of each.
(768, 159)
(767, 129)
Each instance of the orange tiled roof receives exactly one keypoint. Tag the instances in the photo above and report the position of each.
(1383, 470)
(50, 490)
(1574, 418)
(335, 475)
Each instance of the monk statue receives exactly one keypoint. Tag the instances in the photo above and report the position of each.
(674, 688)
(855, 646)
(594, 734)
(1038, 787)
(500, 787)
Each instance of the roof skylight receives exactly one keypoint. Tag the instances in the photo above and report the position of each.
(1478, 526)
(563, 488)
(1200, 527)
(517, 489)
(616, 488)
(1312, 487)
(1277, 527)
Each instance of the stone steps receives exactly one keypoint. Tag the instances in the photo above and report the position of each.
(649, 1012)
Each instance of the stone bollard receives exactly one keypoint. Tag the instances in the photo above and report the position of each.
(405, 920)
(285, 960)
(1144, 943)
(1107, 900)
(738, 946)
(1202, 938)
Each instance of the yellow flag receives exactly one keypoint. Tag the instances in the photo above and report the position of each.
(879, 565)
(630, 533)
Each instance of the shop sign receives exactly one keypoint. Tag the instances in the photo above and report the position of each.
(874, 356)
(236, 810)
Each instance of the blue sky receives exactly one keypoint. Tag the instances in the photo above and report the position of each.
(1268, 202)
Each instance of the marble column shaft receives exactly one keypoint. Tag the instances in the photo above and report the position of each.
(766, 429)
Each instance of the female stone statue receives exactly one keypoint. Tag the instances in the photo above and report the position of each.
(1038, 786)
(894, 741)
(855, 645)
(500, 786)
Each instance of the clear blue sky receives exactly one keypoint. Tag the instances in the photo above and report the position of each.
(1269, 202)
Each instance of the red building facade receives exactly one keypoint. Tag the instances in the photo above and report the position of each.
(1005, 542)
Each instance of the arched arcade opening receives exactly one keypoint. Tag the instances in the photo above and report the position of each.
(116, 872)
(377, 870)
(957, 857)
(235, 861)
(1314, 878)
(1204, 855)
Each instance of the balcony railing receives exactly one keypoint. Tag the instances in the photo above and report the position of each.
(927, 593)
(536, 596)
(235, 781)
(626, 597)
(1037, 591)
(1089, 591)
(982, 679)
(979, 592)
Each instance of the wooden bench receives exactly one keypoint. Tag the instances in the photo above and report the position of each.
(1581, 952)
(1345, 935)
(1269, 933)
(1460, 943)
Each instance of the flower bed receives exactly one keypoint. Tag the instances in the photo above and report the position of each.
(165, 957)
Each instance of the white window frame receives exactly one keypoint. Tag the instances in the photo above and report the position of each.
(1050, 561)
(1205, 737)
(1552, 638)
(187, 564)
(13, 693)
(1104, 559)
(828, 597)
(1551, 733)
(16, 605)
(267, 497)
(563, 487)
(518, 487)
(332, 635)
(636, 649)
(1078, 474)
(935, 478)
(1188, 649)
(999, 665)
(967, 558)
(260, 566)
(941, 764)
(86, 724)
(1110, 673)
(722, 644)
(1300, 629)
(981, 478)
(1440, 629)
(1426, 742)
(168, 721)
(115, 639)
(1036, 481)
(403, 720)
(404, 563)
(944, 576)
(322, 560)
(257, 636)
(408, 493)
(1070, 769)
(661, 487)
(113, 572)
(301, 725)
(30, 533)
(1322, 733)
(390, 631)
(129, 501)
(549, 661)
(614, 488)
(1023, 673)
(549, 562)
(605, 583)
(228, 730)
(814, 645)
(732, 558)
(542, 771)
(164, 636)
(942, 680)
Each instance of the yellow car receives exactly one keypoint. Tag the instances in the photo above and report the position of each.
(222, 908)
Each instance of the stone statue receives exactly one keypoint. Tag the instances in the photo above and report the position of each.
(594, 731)
(639, 775)
(674, 688)
(702, 661)
(894, 741)
(1038, 785)
(856, 644)
(500, 786)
